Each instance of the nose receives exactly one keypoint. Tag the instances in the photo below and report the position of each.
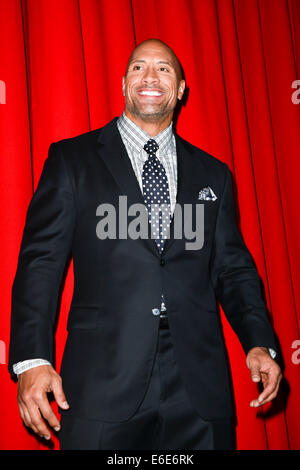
(150, 77)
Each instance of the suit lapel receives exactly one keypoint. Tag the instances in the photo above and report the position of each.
(191, 174)
(113, 152)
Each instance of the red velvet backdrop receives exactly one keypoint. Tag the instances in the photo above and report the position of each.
(61, 65)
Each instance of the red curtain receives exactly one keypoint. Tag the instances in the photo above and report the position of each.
(61, 66)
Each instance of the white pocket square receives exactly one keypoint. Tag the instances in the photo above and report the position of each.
(207, 194)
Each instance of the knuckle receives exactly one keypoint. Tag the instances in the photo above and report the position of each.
(42, 430)
(49, 416)
(37, 396)
(46, 413)
(56, 377)
(26, 397)
(36, 421)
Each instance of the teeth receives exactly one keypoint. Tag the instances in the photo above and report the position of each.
(150, 93)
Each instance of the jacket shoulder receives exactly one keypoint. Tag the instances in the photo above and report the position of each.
(74, 150)
(84, 139)
(210, 161)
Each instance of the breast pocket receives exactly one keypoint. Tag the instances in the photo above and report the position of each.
(85, 317)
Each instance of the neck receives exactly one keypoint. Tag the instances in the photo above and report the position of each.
(152, 128)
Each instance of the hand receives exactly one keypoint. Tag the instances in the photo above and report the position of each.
(33, 386)
(264, 369)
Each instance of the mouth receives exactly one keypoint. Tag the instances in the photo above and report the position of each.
(150, 93)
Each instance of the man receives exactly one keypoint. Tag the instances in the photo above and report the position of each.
(144, 366)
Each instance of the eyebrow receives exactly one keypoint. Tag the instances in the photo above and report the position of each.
(159, 62)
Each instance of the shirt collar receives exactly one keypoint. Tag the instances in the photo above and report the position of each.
(137, 137)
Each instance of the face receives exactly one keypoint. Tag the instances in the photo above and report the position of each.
(151, 87)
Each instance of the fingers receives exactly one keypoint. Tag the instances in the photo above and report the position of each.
(38, 422)
(271, 387)
(33, 418)
(25, 415)
(58, 393)
(47, 412)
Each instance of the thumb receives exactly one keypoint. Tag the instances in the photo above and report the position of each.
(255, 371)
(59, 395)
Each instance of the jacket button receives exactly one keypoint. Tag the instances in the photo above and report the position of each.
(155, 311)
(162, 262)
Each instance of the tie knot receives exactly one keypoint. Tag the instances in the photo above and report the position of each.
(151, 147)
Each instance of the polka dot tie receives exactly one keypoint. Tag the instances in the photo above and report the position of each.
(156, 194)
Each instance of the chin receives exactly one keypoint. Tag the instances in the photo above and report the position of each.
(153, 117)
(150, 115)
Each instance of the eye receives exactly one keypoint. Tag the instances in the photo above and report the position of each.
(164, 69)
(136, 67)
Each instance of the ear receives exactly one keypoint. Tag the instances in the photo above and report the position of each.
(181, 89)
(123, 86)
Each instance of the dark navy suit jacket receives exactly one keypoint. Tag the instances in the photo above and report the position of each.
(112, 331)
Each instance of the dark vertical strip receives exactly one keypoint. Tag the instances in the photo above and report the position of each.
(84, 65)
(293, 37)
(133, 22)
(24, 14)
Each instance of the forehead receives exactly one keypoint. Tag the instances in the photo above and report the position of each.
(152, 51)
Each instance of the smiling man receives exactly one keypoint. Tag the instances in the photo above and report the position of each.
(144, 366)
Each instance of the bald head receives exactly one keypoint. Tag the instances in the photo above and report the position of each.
(153, 42)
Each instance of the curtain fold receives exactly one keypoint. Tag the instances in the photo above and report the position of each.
(62, 63)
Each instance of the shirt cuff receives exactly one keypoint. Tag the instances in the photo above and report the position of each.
(22, 366)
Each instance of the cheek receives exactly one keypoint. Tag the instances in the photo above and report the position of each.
(173, 94)
(172, 91)
(128, 93)
(130, 89)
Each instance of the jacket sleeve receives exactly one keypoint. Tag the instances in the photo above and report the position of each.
(236, 280)
(45, 246)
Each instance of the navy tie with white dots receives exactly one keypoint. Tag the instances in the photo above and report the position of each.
(156, 194)
(157, 198)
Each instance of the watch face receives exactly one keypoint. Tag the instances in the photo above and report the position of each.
(272, 353)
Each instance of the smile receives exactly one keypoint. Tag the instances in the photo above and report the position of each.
(150, 93)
